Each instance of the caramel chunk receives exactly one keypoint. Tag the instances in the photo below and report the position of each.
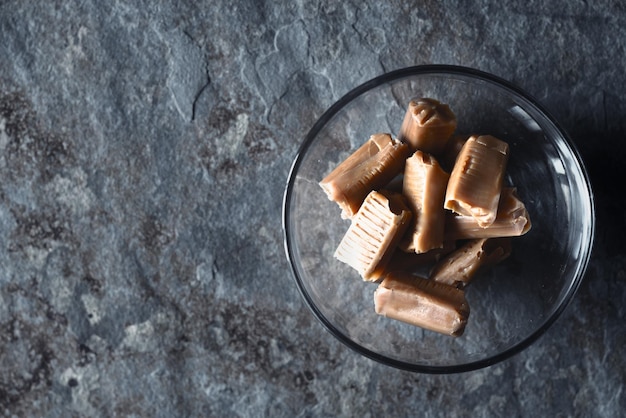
(427, 125)
(422, 302)
(476, 179)
(424, 187)
(370, 148)
(374, 233)
(461, 266)
(369, 168)
(512, 220)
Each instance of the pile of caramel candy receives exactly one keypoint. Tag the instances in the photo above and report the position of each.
(428, 197)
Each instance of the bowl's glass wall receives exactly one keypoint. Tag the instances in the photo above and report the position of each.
(510, 302)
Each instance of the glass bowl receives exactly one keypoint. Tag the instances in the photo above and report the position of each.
(513, 303)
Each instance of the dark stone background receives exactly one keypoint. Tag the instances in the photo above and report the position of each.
(144, 149)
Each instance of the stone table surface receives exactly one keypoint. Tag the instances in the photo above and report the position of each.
(144, 149)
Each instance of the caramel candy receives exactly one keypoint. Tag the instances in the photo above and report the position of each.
(374, 233)
(422, 302)
(461, 266)
(424, 187)
(512, 220)
(427, 125)
(369, 168)
(476, 179)
(369, 149)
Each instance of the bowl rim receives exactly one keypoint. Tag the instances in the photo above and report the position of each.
(437, 69)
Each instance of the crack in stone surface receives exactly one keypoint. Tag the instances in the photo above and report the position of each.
(188, 75)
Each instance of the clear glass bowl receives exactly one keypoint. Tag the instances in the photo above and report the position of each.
(513, 303)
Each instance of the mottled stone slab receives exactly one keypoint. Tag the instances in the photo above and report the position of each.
(143, 154)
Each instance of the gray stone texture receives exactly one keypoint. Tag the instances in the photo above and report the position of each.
(144, 149)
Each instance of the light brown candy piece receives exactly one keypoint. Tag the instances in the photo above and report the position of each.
(369, 168)
(427, 125)
(370, 148)
(424, 187)
(512, 220)
(374, 233)
(422, 302)
(460, 266)
(476, 179)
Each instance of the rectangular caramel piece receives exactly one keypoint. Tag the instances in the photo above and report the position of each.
(369, 168)
(374, 233)
(476, 179)
(512, 220)
(370, 148)
(428, 125)
(461, 266)
(422, 302)
(424, 187)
